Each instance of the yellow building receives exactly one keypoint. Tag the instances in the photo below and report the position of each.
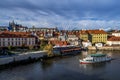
(97, 36)
(83, 35)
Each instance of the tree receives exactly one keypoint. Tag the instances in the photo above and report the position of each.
(9, 47)
(49, 49)
(31, 47)
(42, 44)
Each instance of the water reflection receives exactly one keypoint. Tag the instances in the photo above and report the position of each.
(94, 69)
(84, 53)
(46, 64)
(93, 66)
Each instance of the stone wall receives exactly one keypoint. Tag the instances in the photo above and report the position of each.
(21, 57)
(104, 48)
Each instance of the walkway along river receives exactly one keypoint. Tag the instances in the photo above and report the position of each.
(66, 68)
(27, 57)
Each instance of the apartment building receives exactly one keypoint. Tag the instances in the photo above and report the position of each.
(97, 36)
(16, 39)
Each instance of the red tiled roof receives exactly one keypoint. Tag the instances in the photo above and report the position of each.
(57, 42)
(96, 32)
(83, 32)
(113, 38)
(70, 33)
(21, 33)
(7, 34)
(92, 32)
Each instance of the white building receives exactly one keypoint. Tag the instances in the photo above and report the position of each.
(16, 39)
(117, 34)
(72, 39)
(99, 45)
(113, 41)
(86, 43)
(43, 29)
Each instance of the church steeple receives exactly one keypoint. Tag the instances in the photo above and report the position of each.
(13, 23)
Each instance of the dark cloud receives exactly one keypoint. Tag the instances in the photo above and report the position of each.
(61, 13)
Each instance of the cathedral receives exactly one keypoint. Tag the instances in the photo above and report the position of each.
(16, 27)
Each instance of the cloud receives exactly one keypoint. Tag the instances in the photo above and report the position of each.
(65, 14)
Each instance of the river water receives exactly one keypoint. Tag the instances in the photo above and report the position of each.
(66, 68)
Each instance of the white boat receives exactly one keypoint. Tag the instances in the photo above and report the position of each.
(95, 58)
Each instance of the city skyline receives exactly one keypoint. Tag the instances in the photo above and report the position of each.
(67, 14)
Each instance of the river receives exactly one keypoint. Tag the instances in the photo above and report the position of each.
(66, 68)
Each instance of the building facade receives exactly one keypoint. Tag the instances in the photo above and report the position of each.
(94, 36)
(72, 39)
(42, 29)
(113, 41)
(83, 35)
(16, 39)
(117, 34)
(97, 36)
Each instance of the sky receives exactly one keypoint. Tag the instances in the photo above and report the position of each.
(64, 14)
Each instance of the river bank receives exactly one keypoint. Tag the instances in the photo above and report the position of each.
(20, 59)
(105, 48)
(30, 57)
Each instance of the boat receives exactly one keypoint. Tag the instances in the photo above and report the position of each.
(66, 50)
(95, 58)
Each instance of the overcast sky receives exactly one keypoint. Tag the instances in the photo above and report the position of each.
(65, 14)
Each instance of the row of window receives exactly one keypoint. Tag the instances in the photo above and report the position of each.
(40, 30)
(16, 43)
(16, 39)
(99, 37)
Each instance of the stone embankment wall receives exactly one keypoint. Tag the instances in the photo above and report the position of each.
(22, 57)
(104, 48)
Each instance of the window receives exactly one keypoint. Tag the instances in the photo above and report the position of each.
(12, 43)
(29, 42)
(16, 43)
(3, 43)
(89, 60)
(8, 43)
